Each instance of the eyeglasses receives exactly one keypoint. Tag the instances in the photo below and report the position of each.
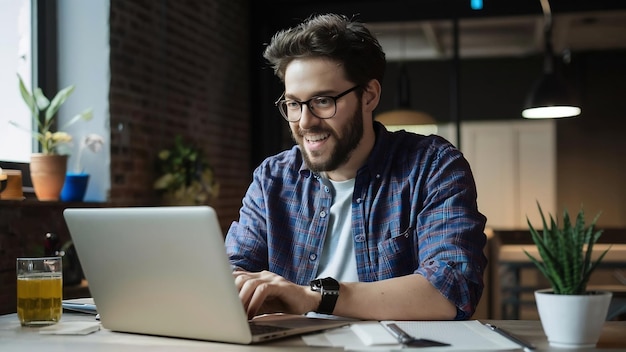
(323, 107)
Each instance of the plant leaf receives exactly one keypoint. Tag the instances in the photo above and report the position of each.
(85, 115)
(566, 252)
(28, 98)
(544, 246)
(40, 99)
(57, 101)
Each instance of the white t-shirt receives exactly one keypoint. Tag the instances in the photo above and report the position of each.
(338, 259)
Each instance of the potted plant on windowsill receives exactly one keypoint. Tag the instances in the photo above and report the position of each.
(77, 179)
(48, 168)
(571, 315)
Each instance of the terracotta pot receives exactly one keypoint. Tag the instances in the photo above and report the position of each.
(48, 175)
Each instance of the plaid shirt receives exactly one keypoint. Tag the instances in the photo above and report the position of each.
(413, 211)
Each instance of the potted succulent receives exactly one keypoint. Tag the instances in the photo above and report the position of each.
(48, 168)
(571, 315)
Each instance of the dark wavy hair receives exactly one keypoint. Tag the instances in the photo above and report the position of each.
(332, 36)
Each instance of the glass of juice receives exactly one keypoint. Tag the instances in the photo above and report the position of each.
(39, 290)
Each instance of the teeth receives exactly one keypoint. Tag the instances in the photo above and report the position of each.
(317, 138)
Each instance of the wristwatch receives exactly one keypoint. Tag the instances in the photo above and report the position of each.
(329, 289)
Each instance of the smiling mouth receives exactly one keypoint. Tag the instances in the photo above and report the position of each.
(317, 137)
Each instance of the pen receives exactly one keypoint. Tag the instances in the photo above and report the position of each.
(526, 345)
(405, 339)
(400, 334)
(80, 307)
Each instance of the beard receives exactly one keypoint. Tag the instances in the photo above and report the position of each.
(352, 134)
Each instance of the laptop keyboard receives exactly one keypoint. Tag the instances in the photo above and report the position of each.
(259, 329)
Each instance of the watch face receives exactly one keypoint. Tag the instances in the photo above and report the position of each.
(328, 284)
(316, 285)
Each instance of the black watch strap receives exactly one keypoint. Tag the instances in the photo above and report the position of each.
(329, 289)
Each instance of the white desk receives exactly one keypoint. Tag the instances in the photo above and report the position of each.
(13, 337)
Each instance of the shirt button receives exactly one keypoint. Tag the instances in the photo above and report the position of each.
(326, 189)
(322, 214)
(377, 175)
(313, 256)
(359, 238)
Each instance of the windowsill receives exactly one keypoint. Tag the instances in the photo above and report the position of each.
(31, 199)
(28, 201)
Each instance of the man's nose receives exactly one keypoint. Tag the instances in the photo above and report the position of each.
(307, 119)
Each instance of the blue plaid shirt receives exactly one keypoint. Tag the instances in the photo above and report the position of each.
(413, 211)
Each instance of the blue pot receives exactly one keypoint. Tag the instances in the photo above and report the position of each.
(74, 187)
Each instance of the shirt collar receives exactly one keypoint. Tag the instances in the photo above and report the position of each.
(377, 159)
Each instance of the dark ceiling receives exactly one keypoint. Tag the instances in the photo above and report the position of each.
(286, 12)
(500, 28)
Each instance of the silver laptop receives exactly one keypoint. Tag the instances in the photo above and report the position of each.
(164, 271)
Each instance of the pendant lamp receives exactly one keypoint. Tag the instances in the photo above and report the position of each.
(403, 116)
(549, 97)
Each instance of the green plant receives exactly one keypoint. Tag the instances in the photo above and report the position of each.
(39, 104)
(566, 252)
(185, 174)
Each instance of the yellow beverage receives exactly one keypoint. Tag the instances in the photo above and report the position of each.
(39, 298)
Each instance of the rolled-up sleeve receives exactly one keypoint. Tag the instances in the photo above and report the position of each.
(451, 251)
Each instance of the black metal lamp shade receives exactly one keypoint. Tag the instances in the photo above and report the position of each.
(549, 98)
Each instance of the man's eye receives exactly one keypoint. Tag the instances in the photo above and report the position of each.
(292, 105)
(322, 101)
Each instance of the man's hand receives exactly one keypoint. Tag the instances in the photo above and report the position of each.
(266, 292)
(409, 297)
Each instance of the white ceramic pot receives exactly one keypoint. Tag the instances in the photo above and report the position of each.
(572, 321)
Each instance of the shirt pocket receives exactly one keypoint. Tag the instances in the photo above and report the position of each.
(397, 254)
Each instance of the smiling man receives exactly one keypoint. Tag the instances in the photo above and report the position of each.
(332, 143)
(354, 220)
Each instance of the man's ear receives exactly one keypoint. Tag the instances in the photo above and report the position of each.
(371, 95)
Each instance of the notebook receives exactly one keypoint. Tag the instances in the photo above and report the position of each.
(164, 271)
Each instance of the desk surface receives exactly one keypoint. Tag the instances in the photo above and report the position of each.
(13, 337)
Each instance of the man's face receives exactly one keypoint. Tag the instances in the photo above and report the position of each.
(326, 144)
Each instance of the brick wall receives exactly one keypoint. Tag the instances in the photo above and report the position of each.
(179, 67)
(23, 226)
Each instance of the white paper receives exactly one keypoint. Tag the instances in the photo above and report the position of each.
(71, 328)
(461, 335)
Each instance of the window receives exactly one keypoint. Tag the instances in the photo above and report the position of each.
(67, 36)
(15, 58)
